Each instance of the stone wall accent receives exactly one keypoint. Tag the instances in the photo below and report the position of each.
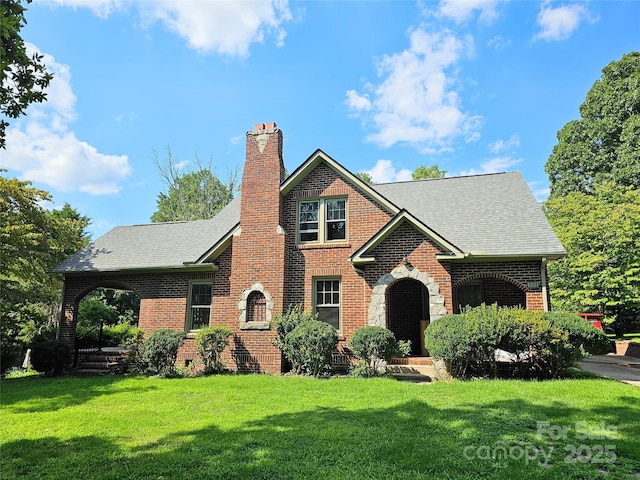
(377, 307)
(242, 306)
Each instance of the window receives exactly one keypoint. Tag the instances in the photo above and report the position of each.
(336, 211)
(327, 301)
(323, 220)
(199, 305)
(469, 295)
(256, 307)
(308, 221)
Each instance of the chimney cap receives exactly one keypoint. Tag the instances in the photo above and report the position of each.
(264, 126)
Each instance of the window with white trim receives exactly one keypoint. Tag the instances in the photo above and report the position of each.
(322, 220)
(199, 312)
(327, 300)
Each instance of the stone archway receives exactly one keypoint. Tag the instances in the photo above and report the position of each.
(378, 308)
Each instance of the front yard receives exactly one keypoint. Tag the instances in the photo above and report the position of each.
(263, 427)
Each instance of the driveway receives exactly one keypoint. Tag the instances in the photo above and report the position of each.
(619, 367)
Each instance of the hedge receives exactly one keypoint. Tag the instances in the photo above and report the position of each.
(541, 345)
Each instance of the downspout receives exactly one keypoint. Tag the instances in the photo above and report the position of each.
(543, 277)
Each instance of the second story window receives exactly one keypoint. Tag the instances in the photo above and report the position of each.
(322, 220)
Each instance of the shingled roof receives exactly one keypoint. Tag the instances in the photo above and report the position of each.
(153, 246)
(492, 215)
(482, 215)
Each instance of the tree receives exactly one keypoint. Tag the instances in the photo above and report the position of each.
(365, 177)
(605, 143)
(423, 172)
(601, 233)
(23, 78)
(32, 241)
(195, 195)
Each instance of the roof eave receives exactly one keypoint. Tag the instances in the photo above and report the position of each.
(319, 156)
(360, 257)
(484, 257)
(220, 246)
(185, 267)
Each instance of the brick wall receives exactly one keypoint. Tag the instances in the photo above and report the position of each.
(163, 298)
(309, 261)
(504, 281)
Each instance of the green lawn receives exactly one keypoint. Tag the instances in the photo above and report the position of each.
(634, 337)
(264, 427)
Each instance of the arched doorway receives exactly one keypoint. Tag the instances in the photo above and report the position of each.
(474, 291)
(408, 312)
(104, 316)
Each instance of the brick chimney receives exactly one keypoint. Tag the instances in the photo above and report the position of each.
(258, 251)
(263, 173)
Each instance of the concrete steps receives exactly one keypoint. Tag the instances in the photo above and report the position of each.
(106, 361)
(412, 369)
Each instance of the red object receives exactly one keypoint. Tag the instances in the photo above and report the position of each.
(594, 318)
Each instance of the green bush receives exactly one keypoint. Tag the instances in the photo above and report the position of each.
(210, 343)
(375, 346)
(543, 345)
(309, 347)
(579, 338)
(160, 351)
(49, 357)
(447, 340)
(287, 321)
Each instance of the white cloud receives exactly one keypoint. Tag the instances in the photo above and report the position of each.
(500, 145)
(385, 172)
(357, 102)
(539, 190)
(225, 27)
(499, 43)
(493, 165)
(559, 23)
(463, 10)
(42, 148)
(102, 8)
(416, 102)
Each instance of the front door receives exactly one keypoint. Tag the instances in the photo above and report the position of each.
(408, 312)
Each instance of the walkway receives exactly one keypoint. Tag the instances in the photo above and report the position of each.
(619, 367)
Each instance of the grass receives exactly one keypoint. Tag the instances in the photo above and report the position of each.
(263, 427)
(634, 337)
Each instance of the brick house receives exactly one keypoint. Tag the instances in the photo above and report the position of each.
(396, 255)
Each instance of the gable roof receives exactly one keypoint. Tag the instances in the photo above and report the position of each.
(155, 246)
(320, 157)
(492, 215)
(484, 216)
(363, 254)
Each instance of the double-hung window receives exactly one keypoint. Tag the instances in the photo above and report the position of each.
(199, 311)
(322, 220)
(327, 301)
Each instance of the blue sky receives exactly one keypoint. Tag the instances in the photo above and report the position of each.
(384, 87)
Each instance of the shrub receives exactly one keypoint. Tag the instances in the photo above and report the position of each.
(160, 351)
(447, 340)
(49, 357)
(375, 346)
(543, 345)
(309, 347)
(578, 338)
(287, 321)
(210, 343)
